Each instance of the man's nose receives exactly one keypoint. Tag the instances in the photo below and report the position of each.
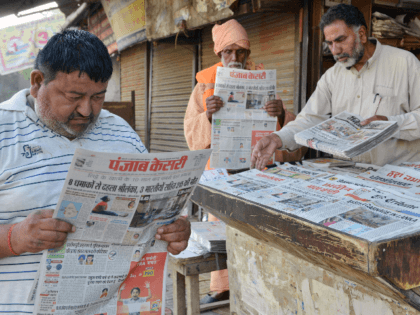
(234, 56)
(84, 107)
(336, 49)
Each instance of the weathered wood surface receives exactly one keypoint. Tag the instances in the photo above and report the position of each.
(198, 265)
(397, 260)
(264, 279)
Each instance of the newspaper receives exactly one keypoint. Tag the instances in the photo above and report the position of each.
(241, 123)
(390, 177)
(343, 136)
(214, 174)
(341, 202)
(415, 165)
(117, 202)
(212, 235)
(334, 166)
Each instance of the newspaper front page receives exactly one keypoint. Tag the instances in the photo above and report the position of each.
(341, 202)
(112, 263)
(241, 123)
(343, 136)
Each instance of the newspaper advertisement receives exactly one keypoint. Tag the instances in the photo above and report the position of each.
(112, 263)
(340, 202)
(343, 136)
(241, 122)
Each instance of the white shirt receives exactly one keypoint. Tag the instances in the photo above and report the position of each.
(34, 165)
(393, 74)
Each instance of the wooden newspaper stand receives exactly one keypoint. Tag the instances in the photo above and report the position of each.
(282, 264)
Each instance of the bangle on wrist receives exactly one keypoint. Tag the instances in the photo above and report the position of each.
(9, 240)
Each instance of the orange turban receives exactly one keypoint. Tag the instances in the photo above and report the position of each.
(229, 33)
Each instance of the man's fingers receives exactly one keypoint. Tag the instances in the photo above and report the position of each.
(57, 225)
(373, 118)
(43, 214)
(182, 224)
(52, 236)
(176, 247)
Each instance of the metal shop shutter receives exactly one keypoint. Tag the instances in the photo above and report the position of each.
(171, 89)
(133, 77)
(272, 37)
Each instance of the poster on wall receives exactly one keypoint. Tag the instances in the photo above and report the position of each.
(19, 44)
(128, 21)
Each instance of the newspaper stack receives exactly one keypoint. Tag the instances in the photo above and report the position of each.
(212, 235)
(343, 136)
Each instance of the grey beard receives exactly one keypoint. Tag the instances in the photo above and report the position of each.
(234, 64)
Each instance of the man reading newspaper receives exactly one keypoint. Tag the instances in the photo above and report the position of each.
(40, 129)
(375, 81)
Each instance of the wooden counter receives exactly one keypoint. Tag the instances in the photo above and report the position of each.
(389, 268)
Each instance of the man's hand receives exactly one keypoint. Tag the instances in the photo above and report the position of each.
(264, 150)
(147, 285)
(39, 231)
(274, 108)
(176, 234)
(213, 103)
(373, 118)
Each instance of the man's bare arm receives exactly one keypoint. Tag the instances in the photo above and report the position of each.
(37, 232)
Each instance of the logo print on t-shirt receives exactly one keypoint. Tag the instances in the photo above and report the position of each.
(29, 151)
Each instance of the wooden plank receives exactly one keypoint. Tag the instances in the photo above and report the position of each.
(399, 260)
(198, 265)
(179, 293)
(193, 295)
(276, 227)
(212, 306)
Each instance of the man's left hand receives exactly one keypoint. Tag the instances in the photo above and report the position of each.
(373, 118)
(274, 108)
(176, 234)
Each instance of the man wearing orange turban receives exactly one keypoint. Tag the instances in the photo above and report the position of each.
(232, 45)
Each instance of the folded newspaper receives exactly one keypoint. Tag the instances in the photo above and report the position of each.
(117, 202)
(212, 235)
(343, 136)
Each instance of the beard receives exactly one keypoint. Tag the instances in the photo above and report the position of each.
(233, 64)
(356, 55)
(63, 128)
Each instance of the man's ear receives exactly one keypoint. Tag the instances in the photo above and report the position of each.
(37, 79)
(363, 34)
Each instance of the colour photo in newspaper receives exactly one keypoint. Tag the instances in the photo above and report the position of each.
(241, 122)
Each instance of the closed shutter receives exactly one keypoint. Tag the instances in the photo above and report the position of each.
(171, 89)
(133, 78)
(272, 38)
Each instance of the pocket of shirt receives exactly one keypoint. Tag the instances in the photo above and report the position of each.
(388, 101)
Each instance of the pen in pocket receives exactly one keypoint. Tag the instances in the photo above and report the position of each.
(374, 99)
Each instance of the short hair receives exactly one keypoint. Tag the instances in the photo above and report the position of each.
(74, 50)
(82, 256)
(349, 14)
(136, 288)
(90, 256)
(106, 289)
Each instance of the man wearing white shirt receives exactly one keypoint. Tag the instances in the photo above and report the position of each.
(375, 81)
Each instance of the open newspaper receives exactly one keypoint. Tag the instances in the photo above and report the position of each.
(344, 203)
(112, 264)
(241, 123)
(343, 136)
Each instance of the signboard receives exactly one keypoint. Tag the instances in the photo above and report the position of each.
(19, 44)
(128, 21)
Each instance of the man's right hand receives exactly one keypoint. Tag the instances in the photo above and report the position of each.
(39, 231)
(213, 104)
(264, 150)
